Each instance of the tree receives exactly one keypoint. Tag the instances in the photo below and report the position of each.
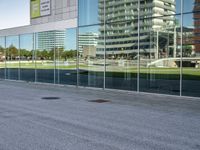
(187, 51)
(25, 53)
(69, 54)
(12, 52)
(44, 54)
(1, 49)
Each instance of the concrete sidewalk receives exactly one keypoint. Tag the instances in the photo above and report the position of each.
(130, 121)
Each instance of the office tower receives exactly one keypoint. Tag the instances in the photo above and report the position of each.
(122, 25)
(50, 39)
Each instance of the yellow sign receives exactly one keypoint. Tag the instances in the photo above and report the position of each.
(35, 8)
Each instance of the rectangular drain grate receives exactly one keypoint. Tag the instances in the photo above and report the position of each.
(99, 101)
(50, 98)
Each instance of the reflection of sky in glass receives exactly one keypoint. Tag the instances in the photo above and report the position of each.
(93, 29)
(70, 39)
(88, 12)
(188, 20)
(26, 41)
(70, 36)
(188, 5)
(178, 6)
(12, 40)
(2, 42)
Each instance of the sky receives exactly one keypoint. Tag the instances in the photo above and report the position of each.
(14, 13)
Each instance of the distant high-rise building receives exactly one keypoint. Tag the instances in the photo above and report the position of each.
(50, 39)
(122, 24)
(87, 40)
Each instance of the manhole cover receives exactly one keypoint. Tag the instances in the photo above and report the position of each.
(50, 98)
(99, 101)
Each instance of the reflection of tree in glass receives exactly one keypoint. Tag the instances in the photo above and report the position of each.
(1, 49)
(12, 52)
(2, 55)
(42, 55)
(25, 54)
(69, 54)
(187, 51)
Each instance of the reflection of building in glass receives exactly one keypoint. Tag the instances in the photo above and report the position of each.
(88, 43)
(121, 24)
(188, 43)
(50, 39)
(196, 17)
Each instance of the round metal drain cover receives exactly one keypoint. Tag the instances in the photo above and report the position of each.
(99, 101)
(50, 98)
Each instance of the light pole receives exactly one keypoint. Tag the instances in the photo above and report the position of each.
(175, 42)
(157, 44)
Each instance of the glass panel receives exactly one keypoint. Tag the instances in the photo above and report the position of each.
(66, 57)
(191, 54)
(121, 54)
(27, 62)
(45, 64)
(188, 5)
(155, 8)
(178, 6)
(88, 12)
(12, 57)
(2, 58)
(91, 60)
(159, 65)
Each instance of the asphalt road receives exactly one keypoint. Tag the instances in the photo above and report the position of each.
(129, 121)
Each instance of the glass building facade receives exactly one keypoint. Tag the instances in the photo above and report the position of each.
(135, 45)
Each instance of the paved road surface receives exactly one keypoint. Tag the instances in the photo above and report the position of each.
(129, 122)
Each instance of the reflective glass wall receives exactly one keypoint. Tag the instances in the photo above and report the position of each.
(45, 56)
(121, 44)
(12, 58)
(136, 45)
(48, 57)
(2, 58)
(146, 45)
(66, 58)
(91, 64)
(191, 48)
(27, 57)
